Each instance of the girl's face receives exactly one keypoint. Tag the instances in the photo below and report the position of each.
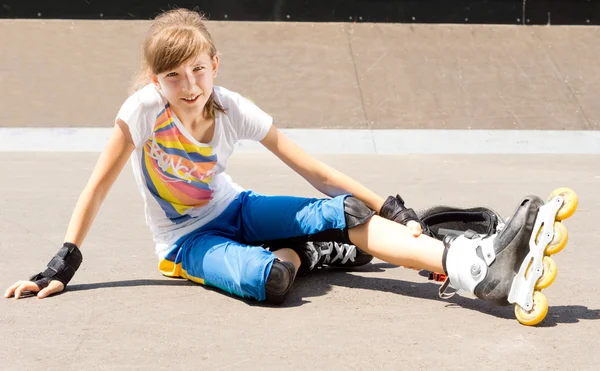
(189, 85)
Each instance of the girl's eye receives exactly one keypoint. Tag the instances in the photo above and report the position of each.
(171, 74)
(199, 68)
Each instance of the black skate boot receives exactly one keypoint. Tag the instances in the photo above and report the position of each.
(506, 267)
(315, 255)
(342, 255)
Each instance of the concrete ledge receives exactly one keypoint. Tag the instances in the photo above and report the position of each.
(341, 141)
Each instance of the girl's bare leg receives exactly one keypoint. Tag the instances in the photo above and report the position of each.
(394, 243)
(288, 255)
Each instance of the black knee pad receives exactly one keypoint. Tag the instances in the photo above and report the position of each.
(279, 281)
(356, 212)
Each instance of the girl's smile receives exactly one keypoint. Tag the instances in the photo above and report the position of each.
(192, 99)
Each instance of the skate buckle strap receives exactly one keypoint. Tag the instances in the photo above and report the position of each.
(443, 294)
(487, 250)
(465, 263)
(439, 277)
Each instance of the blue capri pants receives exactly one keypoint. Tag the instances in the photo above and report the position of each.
(228, 252)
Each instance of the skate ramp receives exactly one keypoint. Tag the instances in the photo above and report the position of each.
(75, 73)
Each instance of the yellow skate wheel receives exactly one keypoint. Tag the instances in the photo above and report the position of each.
(561, 236)
(570, 204)
(548, 274)
(536, 314)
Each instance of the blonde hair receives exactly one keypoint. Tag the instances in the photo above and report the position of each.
(176, 36)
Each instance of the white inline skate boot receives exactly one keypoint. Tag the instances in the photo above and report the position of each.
(513, 265)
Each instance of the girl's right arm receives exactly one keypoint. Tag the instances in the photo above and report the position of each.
(109, 166)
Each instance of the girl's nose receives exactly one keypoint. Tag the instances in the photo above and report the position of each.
(189, 82)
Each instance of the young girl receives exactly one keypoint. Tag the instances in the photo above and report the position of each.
(180, 129)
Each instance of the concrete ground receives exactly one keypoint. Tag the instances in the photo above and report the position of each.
(120, 313)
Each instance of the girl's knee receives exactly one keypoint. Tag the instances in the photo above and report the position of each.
(279, 281)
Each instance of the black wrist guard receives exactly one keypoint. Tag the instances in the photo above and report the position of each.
(62, 266)
(393, 209)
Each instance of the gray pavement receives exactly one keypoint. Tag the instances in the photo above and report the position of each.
(121, 314)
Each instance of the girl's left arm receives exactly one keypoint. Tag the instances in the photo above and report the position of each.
(323, 177)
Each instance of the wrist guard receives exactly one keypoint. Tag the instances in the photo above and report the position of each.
(393, 209)
(62, 266)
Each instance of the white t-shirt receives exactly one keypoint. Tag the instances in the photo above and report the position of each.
(182, 181)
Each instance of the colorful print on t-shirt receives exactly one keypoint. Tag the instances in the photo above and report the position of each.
(177, 172)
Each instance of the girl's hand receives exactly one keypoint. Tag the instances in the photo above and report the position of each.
(415, 228)
(27, 286)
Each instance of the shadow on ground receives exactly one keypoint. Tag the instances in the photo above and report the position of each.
(320, 282)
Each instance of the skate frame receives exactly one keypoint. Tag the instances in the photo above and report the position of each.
(522, 288)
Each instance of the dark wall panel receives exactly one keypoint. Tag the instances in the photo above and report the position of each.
(581, 12)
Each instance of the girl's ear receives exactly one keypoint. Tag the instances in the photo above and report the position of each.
(154, 80)
(215, 66)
